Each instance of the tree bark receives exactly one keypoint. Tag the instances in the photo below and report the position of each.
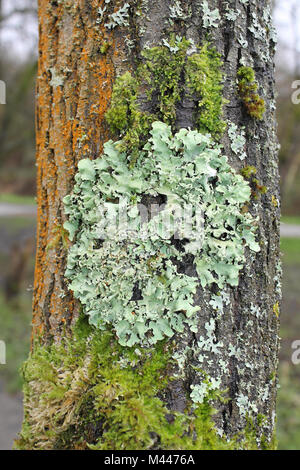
(74, 89)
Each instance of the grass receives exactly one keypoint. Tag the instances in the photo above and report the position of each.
(15, 332)
(11, 225)
(290, 248)
(15, 315)
(16, 199)
(288, 409)
(293, 219)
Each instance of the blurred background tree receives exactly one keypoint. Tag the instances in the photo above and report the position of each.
(287, 14)
(18, 70)
(18, 59)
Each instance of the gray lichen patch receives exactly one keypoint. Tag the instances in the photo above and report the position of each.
(128, 274)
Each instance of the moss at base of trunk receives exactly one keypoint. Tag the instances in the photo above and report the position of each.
(91, 393)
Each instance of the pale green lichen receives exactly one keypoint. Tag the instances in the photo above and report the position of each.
(109, 262)
(231, 14)
(263, 31)
(206, 388)
(237, 139)
(176, 11)
(245, 406)
(119, 18)
(56, 79)
(211, 18)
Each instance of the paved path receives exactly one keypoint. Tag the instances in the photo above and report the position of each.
(10, 419)
(14, 210)
(11, 409)
(290, 231)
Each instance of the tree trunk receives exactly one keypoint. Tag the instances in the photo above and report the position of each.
(85, 50)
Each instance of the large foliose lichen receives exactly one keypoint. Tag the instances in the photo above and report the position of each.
(126, 272)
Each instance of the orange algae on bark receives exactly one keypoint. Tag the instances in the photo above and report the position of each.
(74, 87)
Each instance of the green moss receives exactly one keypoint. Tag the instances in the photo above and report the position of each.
(123, 112)
(205, 79)
(247, 87)
(91, 383)
(259, 187)
(163, 70)
(160, 80)
(104, 47)
(124, 116)
(247, 74)
(276, 309)
(249, 172)
(88, 392)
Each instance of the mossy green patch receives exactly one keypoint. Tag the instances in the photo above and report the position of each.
(104, 47)
(124, 116)
(249, 172)
(88, 392)
(165, 74)
(163, 70)
(205, 78)
(247, 87)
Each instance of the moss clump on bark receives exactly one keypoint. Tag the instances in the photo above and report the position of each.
(249, 172)
(125, 118)
(88, 392)
(163, 71)
(159, 81)
(205, 78)
(247, 86)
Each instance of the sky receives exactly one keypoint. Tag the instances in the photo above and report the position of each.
(288, 28)
(19, 34)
